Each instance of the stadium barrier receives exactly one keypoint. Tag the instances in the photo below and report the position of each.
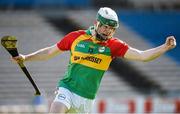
(110, 105)
(138, 105)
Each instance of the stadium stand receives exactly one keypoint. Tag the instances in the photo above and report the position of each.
(116, 94)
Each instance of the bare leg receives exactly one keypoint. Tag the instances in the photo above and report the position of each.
(57, 107)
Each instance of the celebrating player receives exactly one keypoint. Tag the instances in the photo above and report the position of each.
(92, 51)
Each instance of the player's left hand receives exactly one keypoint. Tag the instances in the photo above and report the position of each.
(170, 42)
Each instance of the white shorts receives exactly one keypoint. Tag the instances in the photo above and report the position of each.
(74, 102)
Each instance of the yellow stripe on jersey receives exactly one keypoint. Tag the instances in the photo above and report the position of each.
(96, 61)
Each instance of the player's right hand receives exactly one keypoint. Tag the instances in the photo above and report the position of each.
(18, 59)
(170, 42)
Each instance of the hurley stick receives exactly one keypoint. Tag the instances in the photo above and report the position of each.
(9, 43)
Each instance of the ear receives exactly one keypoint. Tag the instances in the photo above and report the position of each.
(95, 22)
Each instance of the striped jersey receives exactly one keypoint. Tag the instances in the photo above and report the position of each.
(88, 61)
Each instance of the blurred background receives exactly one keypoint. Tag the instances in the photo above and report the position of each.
(127, 87)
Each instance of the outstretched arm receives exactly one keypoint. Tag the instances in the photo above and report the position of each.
(151, 54)
(42, 54)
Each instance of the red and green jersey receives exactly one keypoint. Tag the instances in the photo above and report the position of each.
(88, 61)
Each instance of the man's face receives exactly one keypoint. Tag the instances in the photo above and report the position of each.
(105, 31)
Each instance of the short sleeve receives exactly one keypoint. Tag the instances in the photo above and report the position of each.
(118, 48)
(65, 43)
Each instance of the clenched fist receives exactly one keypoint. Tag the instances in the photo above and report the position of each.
(170, 43)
